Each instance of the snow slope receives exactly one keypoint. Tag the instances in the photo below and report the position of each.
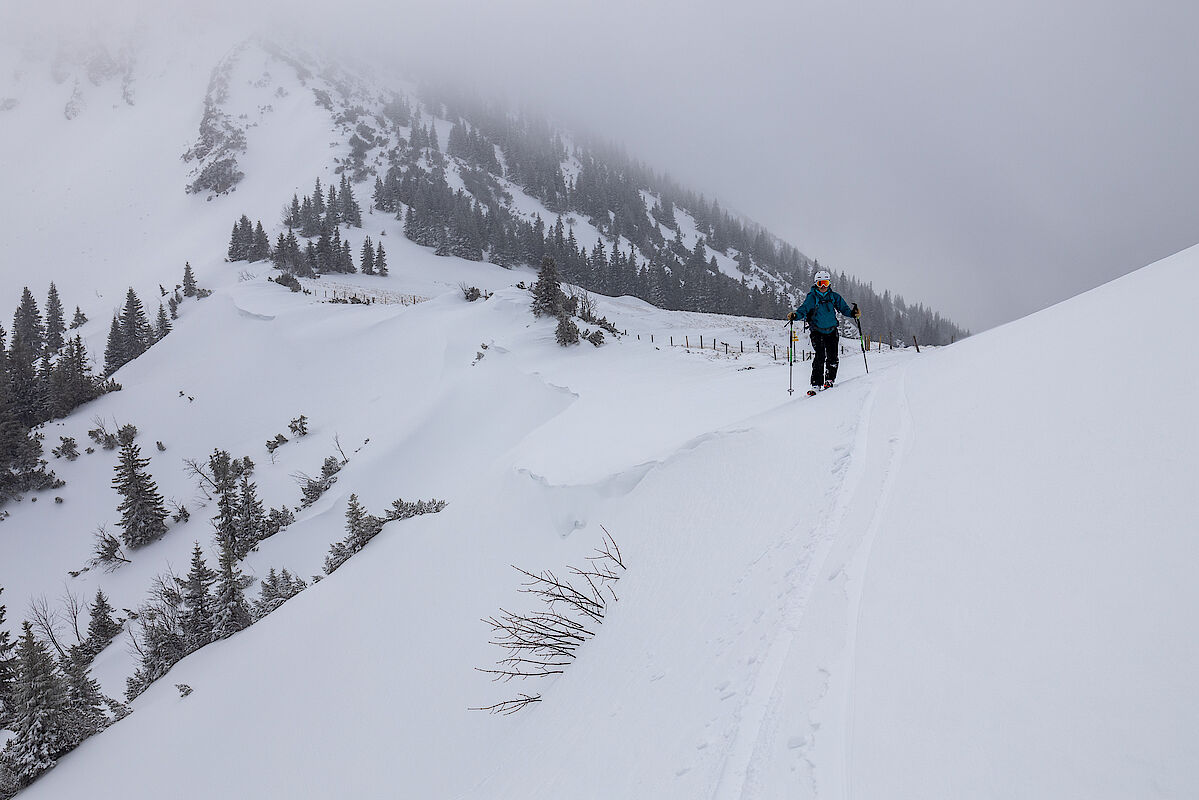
(965, 574)
(962, 575)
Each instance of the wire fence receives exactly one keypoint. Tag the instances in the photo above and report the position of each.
(777, 352)
(345, 293)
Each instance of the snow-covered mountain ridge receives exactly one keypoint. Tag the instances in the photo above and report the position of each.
(269, 115)
(965, 574)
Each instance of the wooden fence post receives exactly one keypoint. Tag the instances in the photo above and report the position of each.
(916, 343)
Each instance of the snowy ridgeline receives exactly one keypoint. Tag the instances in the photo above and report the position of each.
(460, 175)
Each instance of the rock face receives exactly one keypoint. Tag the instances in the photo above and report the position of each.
(221, 140)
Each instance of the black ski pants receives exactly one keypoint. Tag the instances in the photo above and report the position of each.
(824, 361)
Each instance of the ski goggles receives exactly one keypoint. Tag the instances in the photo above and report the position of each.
(823, 284)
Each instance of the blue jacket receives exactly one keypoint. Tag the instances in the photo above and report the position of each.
(823, 307)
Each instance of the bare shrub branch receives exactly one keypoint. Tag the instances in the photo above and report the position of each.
(543, 643)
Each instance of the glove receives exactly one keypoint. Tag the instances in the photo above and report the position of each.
(791, 317)
(856, 313)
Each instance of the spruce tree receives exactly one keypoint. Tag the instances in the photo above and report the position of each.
(232, 612)
(21, 468)
(136, 333)
(567, 332)
(114, 353)
(333, 209)
(79, 320)
(260, 245)
(189, 280)
(28, 330)
(8, 670)
(245, 238)
(368, 256)
(237, 247)
(350, 212)
(83, 715)
(39, 708)
(163, 325)
(250, 524)
(547, 292)
(318, 200)
(143, 515)
(198, 604)
(101, 627)
(26, 387)
(381, 260)
(55, 327)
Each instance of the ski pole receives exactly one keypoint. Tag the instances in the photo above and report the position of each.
(790, 355)
(862, 342)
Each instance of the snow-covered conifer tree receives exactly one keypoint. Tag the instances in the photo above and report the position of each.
(39, 706)
(198, 607)
(28, 330)
(189, 280)
(8, 669)
(83, 714)
(260, 245)
(567, 332)
(55, 327)
(367, 257)
(136, 333)
(381, 260)
(143, 515)
(162, 326)
(250, 521)
(114, 353)
(547, 292)
(101, 627)
(71, 383)
(231, 612)
(79, 320)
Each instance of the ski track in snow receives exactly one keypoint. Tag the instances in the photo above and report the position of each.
(901, 444)
(757, 722)
(736, 774)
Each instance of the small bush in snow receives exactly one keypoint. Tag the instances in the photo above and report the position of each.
(126, 434)
(275, 590)
(361, 527)
(101, 436)
(567, 332)
(68, 449)
(544, 643)
(299, 426)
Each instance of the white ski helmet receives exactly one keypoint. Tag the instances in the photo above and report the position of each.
(822, 275)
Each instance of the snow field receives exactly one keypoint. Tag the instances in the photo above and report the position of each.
(967, 574)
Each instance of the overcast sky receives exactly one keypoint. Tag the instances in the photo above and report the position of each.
(988, 158)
